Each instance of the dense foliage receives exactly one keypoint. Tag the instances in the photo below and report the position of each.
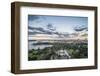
(75, 50)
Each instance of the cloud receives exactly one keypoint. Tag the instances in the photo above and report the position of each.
(33, 17)
(81, 28)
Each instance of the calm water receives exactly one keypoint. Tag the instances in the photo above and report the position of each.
(32, 46)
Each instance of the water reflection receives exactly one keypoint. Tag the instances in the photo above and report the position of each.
(34, 45)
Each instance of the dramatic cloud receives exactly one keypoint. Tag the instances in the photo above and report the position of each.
(81, 28)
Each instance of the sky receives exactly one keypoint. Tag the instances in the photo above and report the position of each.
(61, 23)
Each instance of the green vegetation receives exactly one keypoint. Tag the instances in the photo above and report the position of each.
(75, 50)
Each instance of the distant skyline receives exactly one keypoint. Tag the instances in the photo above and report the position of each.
(61, 23)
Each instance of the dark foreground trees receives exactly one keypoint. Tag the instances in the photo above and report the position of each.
(75, 50)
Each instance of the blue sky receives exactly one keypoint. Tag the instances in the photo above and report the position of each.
(61, 23)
